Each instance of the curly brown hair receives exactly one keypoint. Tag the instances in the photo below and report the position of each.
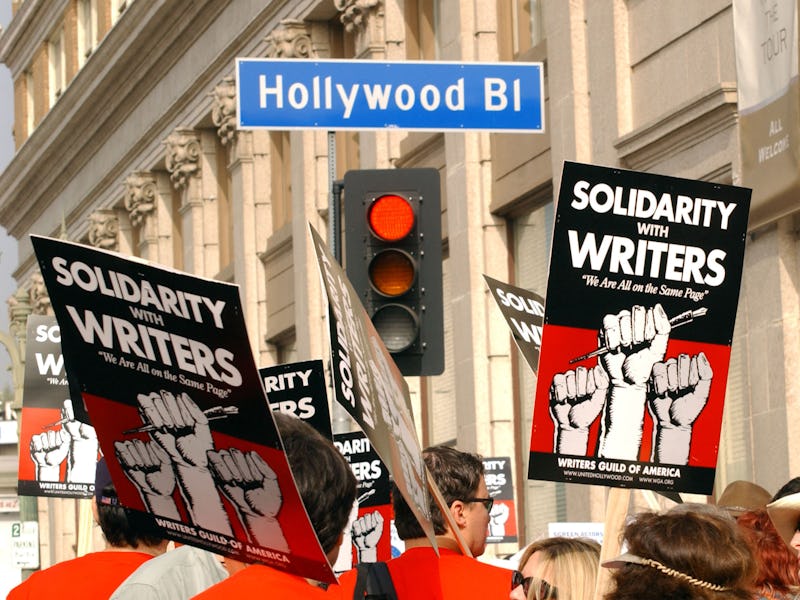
(696, 551)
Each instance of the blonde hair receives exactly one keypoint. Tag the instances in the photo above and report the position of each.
(571, 564)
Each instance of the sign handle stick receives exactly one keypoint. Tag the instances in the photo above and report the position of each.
(616, 510)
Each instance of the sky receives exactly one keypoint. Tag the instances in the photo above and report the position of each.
(8, 245)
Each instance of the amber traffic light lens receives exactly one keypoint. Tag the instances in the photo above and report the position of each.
(392, 272)
(391, 217)
(397, 325)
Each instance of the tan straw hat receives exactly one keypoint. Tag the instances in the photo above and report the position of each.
(785, 513)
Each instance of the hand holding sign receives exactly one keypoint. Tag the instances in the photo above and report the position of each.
(679, 392)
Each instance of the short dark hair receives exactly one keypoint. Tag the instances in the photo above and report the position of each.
(324, 480)
(702, 546)
(124, 526)
(790, 487)
(457, 474)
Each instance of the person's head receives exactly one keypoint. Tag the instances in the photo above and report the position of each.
(459, 477)
(683, 554)
(324, 480)
(785, 515)
(122, 527)
(777, 564)
(790, 487)
(557, 567)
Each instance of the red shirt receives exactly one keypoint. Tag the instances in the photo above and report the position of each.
(260, 581)
(95, 575)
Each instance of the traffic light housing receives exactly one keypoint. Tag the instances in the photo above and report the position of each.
(393, 258)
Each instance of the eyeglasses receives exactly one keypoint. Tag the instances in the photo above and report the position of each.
(487, 502)
(545, 591)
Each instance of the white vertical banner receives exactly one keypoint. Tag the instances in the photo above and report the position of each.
(769, 103)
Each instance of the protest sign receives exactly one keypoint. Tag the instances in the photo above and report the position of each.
(58, 453)
(650, 266)
(165, 369)
(369, 386)
(523, 311)
(368, 535)
(298, 390)
(503, 516)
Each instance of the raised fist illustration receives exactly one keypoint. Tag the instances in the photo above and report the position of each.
(367, 531)
(181, 428)
(48, 450)
(576, 398)
(636, 340)
(679, 390)
(82, 456)
(498, 517)
(147, 465)
(252, 486)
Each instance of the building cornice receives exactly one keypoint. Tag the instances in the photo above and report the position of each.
(31, 25)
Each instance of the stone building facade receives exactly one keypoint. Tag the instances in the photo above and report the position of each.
(126, 139)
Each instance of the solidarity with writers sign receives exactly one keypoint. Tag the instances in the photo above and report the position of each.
(58, 453)
(650, 266)
(367, 94)
(369, 386)
(164, 366)
(524, 313)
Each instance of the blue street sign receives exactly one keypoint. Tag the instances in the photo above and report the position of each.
(356, 94)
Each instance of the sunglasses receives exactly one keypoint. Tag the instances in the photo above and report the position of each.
(487, 502)
(544, 591)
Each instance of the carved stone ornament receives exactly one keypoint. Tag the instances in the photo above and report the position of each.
(355, 12)
(223, 111)
(19, 307)
(183, 156)
(39, 300)
(104, 230)
(140, 196)
(290, 39)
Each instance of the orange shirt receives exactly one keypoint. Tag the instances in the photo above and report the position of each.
(95, 575)
(260, 581)
(417, 574)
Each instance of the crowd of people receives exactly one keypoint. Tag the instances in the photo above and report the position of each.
(745, 547)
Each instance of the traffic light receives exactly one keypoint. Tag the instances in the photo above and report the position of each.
(393, 258)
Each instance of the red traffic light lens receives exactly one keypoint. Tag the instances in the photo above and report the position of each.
(392, 272)
(397, 325)
(391, 217)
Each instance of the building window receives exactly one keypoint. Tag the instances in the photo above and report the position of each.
(117, 8)
(30, 115)
(224, 212)
(57, 64)
(545, 502)
(441, 390)
(87, 29)
(281, 172)
(519, 26)
(422, 19)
